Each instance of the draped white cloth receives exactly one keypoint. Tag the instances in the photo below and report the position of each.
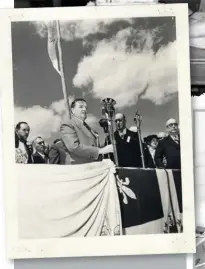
(67, 201)
(169, 200)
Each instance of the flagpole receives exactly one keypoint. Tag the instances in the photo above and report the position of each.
(65, 93)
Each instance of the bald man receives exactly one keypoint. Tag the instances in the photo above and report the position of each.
(127, 143)
(169, 147)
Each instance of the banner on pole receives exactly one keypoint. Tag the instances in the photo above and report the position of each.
(53, 38)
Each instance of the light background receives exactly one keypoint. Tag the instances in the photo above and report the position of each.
(159, 261)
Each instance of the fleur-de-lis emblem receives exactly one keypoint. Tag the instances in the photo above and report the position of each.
(124, 190)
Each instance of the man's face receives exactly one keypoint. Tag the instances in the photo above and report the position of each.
(23, 132)
(80, 110)
(120, 122)
(172, 128)
(40, 145)
(154, 143)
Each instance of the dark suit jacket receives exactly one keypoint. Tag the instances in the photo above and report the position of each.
(168, 148)
(79, 141)
(149, 162)
(38, 158)
(128, 149)
(58, 154)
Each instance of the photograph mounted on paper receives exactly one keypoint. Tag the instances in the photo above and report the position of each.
(100, 138)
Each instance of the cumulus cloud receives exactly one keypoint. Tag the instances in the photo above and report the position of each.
(126, 68)
(46, 121)
(162, 80)
(71, 30)
(43, 121)
(126, 65)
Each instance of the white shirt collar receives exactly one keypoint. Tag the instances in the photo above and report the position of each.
(123, 132)
(175, 136)
(152, 152)
(41, 154)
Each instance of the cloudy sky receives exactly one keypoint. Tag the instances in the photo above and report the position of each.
(132, 61)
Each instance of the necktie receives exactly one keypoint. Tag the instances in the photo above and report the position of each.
(95, 134)
(122, 135)
(176, 139)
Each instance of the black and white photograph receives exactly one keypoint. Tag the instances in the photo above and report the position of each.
(100, 131)
(199, 161)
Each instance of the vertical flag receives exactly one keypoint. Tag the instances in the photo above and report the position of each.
(55, 54)
(52, 44)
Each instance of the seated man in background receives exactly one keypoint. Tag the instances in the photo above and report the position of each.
(169, 148)
(127, 143)
(80, 140)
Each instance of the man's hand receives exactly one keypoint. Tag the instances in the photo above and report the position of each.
(107, 149)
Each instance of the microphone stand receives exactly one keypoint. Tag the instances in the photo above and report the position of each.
(104, 124)
(138, 120)
(108, 108)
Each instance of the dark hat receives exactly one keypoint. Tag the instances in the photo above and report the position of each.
(149, 138)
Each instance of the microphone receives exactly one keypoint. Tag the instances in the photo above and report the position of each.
(104, 124)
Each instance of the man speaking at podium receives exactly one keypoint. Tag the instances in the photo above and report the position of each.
(80, 140)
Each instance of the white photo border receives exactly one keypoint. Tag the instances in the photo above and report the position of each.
(98, 246)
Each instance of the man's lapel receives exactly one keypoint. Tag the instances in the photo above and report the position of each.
(38, 155)
(175, 144)
(81, 126)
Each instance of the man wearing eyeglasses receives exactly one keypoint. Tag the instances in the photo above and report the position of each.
(127, 143)
(39, 146)
(169, 147)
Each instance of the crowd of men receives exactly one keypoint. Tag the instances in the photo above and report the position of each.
(79, 144)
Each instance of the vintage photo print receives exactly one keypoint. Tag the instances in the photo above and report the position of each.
(197, 42)
(98, 145)
(199, 161)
